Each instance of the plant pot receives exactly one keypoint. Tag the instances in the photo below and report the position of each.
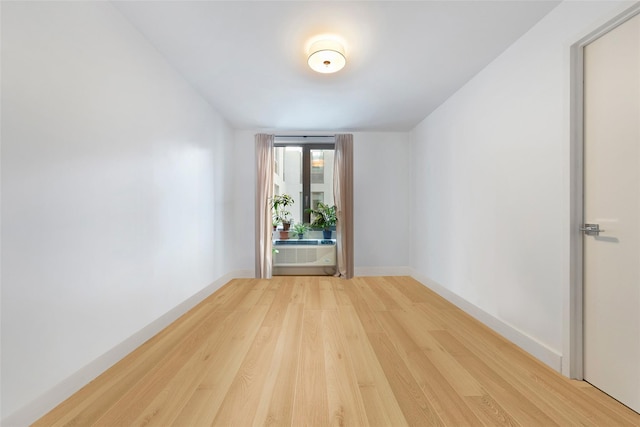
(326, 234)
(284, 235)
(286, 226)
(300, 235)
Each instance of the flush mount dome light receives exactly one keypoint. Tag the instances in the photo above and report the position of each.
(326, 56)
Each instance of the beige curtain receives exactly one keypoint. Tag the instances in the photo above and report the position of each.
(264, 192)
(343, 198)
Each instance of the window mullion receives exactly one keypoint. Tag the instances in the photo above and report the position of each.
(306, 183)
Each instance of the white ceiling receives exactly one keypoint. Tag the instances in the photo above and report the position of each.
(248, 58)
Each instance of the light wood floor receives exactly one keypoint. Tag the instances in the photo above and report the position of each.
(316, 351)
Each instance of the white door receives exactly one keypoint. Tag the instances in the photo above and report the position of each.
(612, 200)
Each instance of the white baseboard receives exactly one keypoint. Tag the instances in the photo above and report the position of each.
(52, 398)
(529, 344)
(382, 271)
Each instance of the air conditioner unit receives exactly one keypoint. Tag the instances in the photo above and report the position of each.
(292, 259)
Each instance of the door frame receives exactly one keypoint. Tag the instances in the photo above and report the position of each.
(573, 361)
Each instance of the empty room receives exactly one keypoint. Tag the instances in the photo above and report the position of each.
(288, 213)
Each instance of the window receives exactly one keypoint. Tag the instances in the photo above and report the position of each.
(309, 176)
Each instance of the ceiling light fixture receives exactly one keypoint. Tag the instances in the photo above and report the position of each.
(326, 56)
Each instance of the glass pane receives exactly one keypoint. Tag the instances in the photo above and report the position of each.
(317, 166)
(321, 177)
(289, 181)
(316, 197)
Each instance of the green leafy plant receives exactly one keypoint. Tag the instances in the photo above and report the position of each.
(324, 216)
(300, 228)
(279, 204)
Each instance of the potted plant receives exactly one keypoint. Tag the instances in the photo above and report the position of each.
(279, 204)
(324, 217)
(300, 228)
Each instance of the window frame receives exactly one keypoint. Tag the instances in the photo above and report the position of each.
(306, 169)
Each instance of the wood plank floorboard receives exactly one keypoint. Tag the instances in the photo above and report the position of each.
(321, 351)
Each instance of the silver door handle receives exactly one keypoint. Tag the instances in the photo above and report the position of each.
(591, 229)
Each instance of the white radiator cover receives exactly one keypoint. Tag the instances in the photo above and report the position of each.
(305, 256)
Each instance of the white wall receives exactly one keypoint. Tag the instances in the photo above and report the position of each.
(116, 183)
(381, 200)
(490, 182)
